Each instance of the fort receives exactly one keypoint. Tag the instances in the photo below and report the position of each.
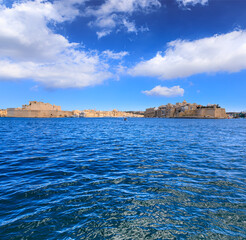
(45, 110)
(38, 110)
(186, 110)
(179, 110)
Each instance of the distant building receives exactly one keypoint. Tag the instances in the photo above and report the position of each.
(38, 110)
(3, 113)
(45, 110)
(150, 113)
(136, 112)
(237, 114)
(186, 110)
(113, 113)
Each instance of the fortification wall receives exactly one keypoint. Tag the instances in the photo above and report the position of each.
(208, 113)
(186, 110)
(3, 113)
(212, 112)
(37, 113)
(188, 113)
(220, 113)
(114, 113)
(205, 112)
(33, 105)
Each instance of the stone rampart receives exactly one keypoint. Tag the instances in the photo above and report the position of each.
(38, 113)
(34, 105)
(38, 110)
(3, 113)
(186, 110)
(114, 113)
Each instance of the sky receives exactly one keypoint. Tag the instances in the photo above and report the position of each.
(123, 54)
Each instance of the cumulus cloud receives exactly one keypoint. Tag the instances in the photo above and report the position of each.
(183, 58)
(191, 2)
(116, 13)
(29, 49)
(65, 73)
(165, 91)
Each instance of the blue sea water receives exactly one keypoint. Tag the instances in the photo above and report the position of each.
(114, 179)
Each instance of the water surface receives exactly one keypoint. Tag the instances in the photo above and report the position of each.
(114, 179)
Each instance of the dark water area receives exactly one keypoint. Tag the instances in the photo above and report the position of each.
(114, 179)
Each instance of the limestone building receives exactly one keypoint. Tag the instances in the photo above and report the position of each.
(38, 110)
(152, 112)
(3, 113)
(113, 113)
(186, 110)
(45, 110)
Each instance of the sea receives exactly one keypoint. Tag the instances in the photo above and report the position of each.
(106, 178)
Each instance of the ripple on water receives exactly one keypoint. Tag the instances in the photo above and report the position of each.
(111, 179)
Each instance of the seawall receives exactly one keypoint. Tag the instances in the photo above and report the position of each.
(37, 113)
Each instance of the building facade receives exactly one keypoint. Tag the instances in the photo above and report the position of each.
(113, 113)
(3, 113)
(186, 110)
(38, 110)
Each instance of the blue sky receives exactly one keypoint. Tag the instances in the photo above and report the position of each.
(123, 54)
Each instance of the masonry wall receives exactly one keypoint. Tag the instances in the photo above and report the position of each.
(150, 114)
(220, 113)
(37, 113)
(33, 105)
(3, 113)
(114, 113)
(206, 112)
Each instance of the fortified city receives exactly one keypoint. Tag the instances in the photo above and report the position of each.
(45, 110)
(179, 110)
(186, 110)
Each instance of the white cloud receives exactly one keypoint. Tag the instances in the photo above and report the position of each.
(220, 53)
(30, 49)
(192, 2)
(67, 72)
(116, 13)
(130, 26)
(165, 91)
(24, 34)
(68, 9)
(113, 55)
(103, 33)
(124, 6)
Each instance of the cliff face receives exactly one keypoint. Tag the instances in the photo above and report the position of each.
(38, 110)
